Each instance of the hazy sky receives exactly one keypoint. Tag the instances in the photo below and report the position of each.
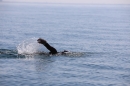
(77, 1)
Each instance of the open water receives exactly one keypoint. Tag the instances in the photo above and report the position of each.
(97, 36)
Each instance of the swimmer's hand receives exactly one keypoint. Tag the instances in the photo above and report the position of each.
(41, 41)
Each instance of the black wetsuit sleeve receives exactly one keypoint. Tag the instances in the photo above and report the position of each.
(50, 48)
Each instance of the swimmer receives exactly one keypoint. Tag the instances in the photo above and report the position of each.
(49, 47)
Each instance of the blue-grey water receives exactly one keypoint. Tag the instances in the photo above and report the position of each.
(97, 36)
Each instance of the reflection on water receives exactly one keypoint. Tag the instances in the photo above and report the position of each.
(43, 64)
(72, 69)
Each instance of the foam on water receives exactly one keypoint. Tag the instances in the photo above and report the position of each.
(30, 46)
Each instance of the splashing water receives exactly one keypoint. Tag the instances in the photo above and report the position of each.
(30, 46)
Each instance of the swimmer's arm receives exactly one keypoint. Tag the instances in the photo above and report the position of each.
(50, 48)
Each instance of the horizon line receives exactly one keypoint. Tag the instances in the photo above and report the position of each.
(63, 3)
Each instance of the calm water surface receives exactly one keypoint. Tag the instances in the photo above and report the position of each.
(97, 36)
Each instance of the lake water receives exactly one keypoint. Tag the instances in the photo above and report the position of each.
(97, 36)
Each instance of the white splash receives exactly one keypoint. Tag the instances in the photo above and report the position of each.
(30, 46)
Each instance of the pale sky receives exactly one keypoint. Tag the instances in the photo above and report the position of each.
(76, 1)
